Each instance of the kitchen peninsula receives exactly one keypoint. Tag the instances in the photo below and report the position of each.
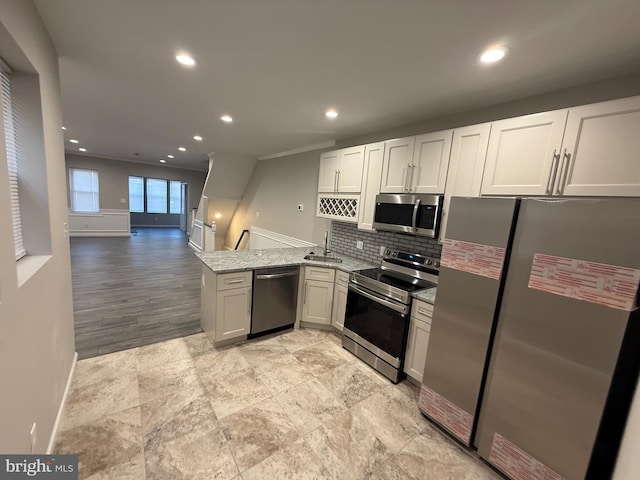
(226, 289)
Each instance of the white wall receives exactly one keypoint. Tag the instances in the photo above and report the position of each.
(274, 191)
(36, 318)
(226, 182)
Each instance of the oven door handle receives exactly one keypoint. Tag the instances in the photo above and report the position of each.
(394, 306)
(414, 219)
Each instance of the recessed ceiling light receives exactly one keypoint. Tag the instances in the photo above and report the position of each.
(182, 149)
(73, 140)
(197, 138)
(218, 215)
(226, 118)
(331, 114)
(64, 128)
(163, 160)
(186, 60)
(82, 149)
(170, 156)
(493, 54)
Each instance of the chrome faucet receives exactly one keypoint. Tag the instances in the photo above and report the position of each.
(326, 243)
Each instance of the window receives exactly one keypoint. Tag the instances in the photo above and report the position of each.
(13, 165)
(174, 197)
(136, 194)
(156, 195)
(83, 185)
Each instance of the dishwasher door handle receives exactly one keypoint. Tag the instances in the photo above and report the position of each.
(276, 275)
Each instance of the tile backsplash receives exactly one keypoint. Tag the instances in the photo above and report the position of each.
(345, 235)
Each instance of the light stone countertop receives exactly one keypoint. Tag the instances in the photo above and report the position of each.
(225, 261)
(427, 295)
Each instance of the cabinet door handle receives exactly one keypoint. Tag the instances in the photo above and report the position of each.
(250, 301)
(405, 174)
(564, 158)
(335, 180)
(305, 292)
(566, 170)
(338, 182)
(552, 173)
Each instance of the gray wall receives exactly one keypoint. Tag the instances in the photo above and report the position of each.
(36, 309)
(275, 189)
(114, 184)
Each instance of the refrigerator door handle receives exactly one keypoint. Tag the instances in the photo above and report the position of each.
(414, 219)
(553, 172)
(565, 179)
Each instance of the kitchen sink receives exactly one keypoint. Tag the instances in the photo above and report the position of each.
(322, 258)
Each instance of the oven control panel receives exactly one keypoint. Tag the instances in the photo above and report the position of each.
(411, 259)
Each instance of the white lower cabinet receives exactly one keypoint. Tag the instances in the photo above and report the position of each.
(233, 313)
(340, 291)
(317, 296)
(226, 305)
(418, 341)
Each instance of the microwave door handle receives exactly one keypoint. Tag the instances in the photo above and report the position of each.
(414, 220)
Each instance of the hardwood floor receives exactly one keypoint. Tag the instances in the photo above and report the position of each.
(134, 291)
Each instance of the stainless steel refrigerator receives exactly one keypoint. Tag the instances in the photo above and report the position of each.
(534, 351)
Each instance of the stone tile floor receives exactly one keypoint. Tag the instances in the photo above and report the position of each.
(292, 406)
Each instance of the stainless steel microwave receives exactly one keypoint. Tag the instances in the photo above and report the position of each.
(415, 214)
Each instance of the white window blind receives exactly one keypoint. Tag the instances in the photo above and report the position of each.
(174, 197)
(13, 165)
(156, 195)
(136, 194)
(84, 190)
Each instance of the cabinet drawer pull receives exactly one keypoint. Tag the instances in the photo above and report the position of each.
(564, 158)
(422, 311)
(553, 172)
(566, 170)
(232, 282)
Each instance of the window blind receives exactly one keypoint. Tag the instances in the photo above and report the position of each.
(13, 164)
(84, 190)
(156, 195)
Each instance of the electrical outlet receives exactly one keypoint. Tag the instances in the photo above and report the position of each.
(359, 244)
(300, 207)
(257, 214)
(33, 435)
(382, 249)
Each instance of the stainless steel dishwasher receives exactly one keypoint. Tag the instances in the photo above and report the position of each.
(275, 298)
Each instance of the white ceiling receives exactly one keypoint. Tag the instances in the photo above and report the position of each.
(277, 65)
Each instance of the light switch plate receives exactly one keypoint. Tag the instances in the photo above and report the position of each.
(359, 244)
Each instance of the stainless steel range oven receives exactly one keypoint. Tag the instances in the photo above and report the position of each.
(378, 307)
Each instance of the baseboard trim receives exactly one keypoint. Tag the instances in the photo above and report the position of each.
(99, 233)
(63, 402)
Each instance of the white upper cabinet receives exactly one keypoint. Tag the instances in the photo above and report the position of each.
(370, 184)
(523, 154)
(416, 164)
(398, 155)
(601, 150)
(328, 176)
(466, 166)
(350, 170)
(341, 170)
(430, 162)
